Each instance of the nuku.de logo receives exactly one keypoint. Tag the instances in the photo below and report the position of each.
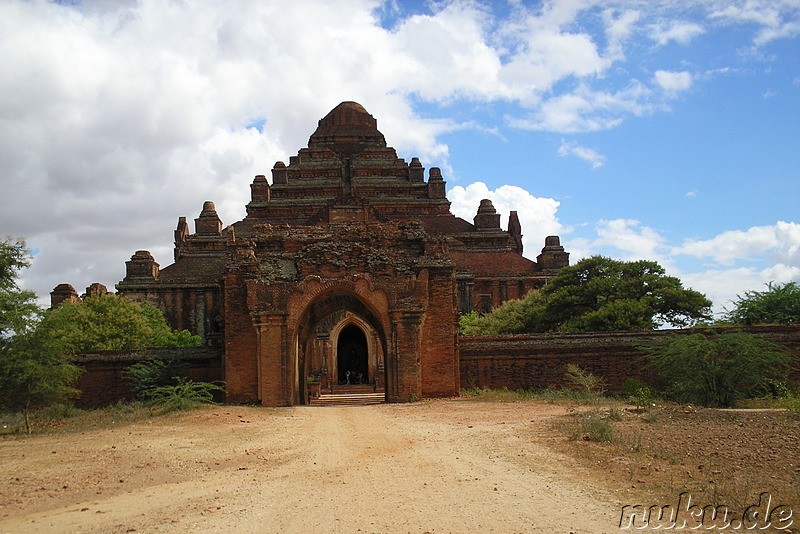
(685, 515)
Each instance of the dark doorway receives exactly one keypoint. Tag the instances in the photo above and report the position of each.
(352, 356)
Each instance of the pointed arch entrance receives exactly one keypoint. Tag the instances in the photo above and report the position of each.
(352, 356)
(339, 332)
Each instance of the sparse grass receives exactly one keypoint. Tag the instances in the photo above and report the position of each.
(67, 418)
(716, 456)
(61, 418)
(591, 426)
(497, 395)
(549, 395)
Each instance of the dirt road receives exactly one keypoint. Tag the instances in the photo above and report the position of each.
(441, 466)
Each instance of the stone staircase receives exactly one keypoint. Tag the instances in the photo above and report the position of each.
(352, 395)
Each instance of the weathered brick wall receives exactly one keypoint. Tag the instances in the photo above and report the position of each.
(104, 380)
(439, 353)
(539, 361)
(241, 343)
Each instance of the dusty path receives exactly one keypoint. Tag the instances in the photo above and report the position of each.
(444, 466)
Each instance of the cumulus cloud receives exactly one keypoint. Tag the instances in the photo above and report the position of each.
(587, 154)
(537, 216)
(679, 31)
(673, 82)
(781, 240)
(586, 110)
(624, 239)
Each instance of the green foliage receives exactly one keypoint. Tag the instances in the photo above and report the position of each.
(716, 369)
(638, 392)
(184, 395)
(182, 338)
(511, 317)
(153, 373)
(112, 322)
(598, 295)
(34, 372)
(584, 381)
(790, 401)
(779, 304)
(18, 309)
(466, 320)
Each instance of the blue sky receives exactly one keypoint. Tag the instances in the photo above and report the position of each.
(658, 129)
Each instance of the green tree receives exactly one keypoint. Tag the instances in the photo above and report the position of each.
(595, 295)
(779, 304)
(716, 369)
(111, 322)
(18, 308)
(34, 368)
(35, 371)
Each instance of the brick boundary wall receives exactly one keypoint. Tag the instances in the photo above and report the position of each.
(538, 361)
(104, 381)
(534, 361)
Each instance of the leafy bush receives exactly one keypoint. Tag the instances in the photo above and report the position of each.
(185, 395)
(716, 369)
(154, 373)
(638, 392)
(779, 304)
(791, 402)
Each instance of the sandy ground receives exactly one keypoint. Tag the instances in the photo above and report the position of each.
(438, 466)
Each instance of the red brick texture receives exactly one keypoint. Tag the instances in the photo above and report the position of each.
(539, 361)
(104, 380)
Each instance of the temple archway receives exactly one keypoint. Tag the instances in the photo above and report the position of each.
(352, 356)
(338, 332)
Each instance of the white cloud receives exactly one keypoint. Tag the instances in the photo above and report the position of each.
(619, 29)
(782, 240)
(776, 19)
(673, 82)
(584, 110)
(587, 154)
(679, 31)
(631, 241)
(536, 215)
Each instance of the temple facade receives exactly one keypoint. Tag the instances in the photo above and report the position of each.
(348, 268)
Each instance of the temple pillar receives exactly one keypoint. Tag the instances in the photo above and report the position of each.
(404, 362)
(273, 373)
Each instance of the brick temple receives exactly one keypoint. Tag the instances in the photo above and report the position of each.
(348, 268)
